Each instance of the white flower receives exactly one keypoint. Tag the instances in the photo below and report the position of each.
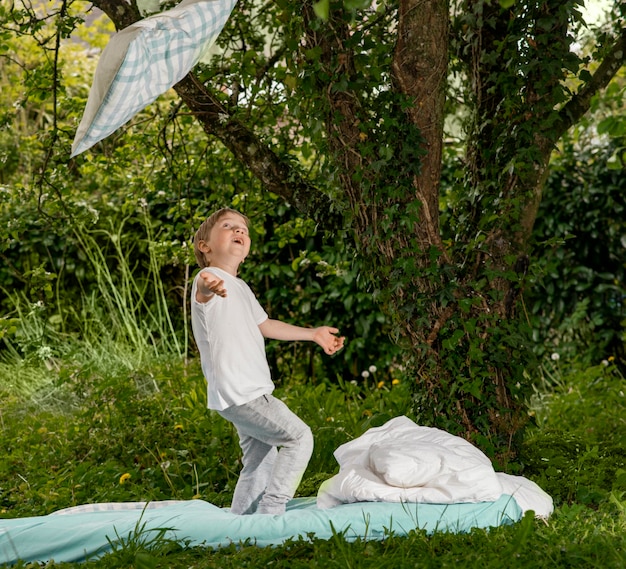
(365, 374)
(555, 357)
(605, 363)
(36, 307)
(372, 369)
(44, 352)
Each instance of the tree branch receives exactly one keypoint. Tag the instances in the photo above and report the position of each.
(121, 13)
(578, 105)
(277, 175)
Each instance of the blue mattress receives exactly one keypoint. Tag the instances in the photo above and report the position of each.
(82, 533)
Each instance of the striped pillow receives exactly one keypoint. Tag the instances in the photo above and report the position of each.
(143, 61)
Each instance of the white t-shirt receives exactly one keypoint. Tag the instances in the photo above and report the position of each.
(232, 348)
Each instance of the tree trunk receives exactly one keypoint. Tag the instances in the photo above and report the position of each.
(420, 67)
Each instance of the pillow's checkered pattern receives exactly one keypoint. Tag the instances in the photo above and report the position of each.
(143, 61)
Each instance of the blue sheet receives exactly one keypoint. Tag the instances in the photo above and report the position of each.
(85, 535)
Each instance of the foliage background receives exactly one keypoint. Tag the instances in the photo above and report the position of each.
(99, 246)
(98, 376)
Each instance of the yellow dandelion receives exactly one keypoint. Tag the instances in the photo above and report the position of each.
(611, 358)
(178, 427)
(395, 381)
(367, 413)
(124, 477)
(381, 384)
(330, 419)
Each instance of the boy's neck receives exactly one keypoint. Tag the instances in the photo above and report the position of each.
(231, 270)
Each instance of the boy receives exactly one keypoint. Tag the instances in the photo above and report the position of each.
(229, 326)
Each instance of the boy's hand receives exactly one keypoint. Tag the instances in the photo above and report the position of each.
(325, 337)
(208, 285)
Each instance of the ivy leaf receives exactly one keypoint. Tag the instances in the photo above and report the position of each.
(321, 9)
(615, 162)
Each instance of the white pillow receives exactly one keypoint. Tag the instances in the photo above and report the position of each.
(416, 456)
(143, 61)
(404, 468)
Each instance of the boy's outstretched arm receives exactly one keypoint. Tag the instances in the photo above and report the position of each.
(324, 336)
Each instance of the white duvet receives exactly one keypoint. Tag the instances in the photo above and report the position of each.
(404, 462)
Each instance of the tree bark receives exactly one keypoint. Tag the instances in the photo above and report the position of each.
(420, 66)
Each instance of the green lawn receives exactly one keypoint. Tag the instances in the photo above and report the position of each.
(102, 433)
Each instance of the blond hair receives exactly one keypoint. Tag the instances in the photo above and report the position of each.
(204, 233)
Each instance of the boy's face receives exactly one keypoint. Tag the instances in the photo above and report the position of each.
(229, 240)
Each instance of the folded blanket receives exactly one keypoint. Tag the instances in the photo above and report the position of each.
(404, 462)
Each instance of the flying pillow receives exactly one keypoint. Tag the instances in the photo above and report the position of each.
(143, 61)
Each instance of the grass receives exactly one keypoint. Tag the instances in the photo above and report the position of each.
(148, 436)
(93, 437)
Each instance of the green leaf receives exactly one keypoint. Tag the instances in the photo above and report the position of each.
(607, 125)
(322, 9)
(143, 560)
(615, 162)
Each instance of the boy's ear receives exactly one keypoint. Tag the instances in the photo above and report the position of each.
(204, 247)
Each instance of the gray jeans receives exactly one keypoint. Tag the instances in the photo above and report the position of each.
(277, 446)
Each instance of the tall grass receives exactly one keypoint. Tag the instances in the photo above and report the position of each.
(112, 326)
(146, 327)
